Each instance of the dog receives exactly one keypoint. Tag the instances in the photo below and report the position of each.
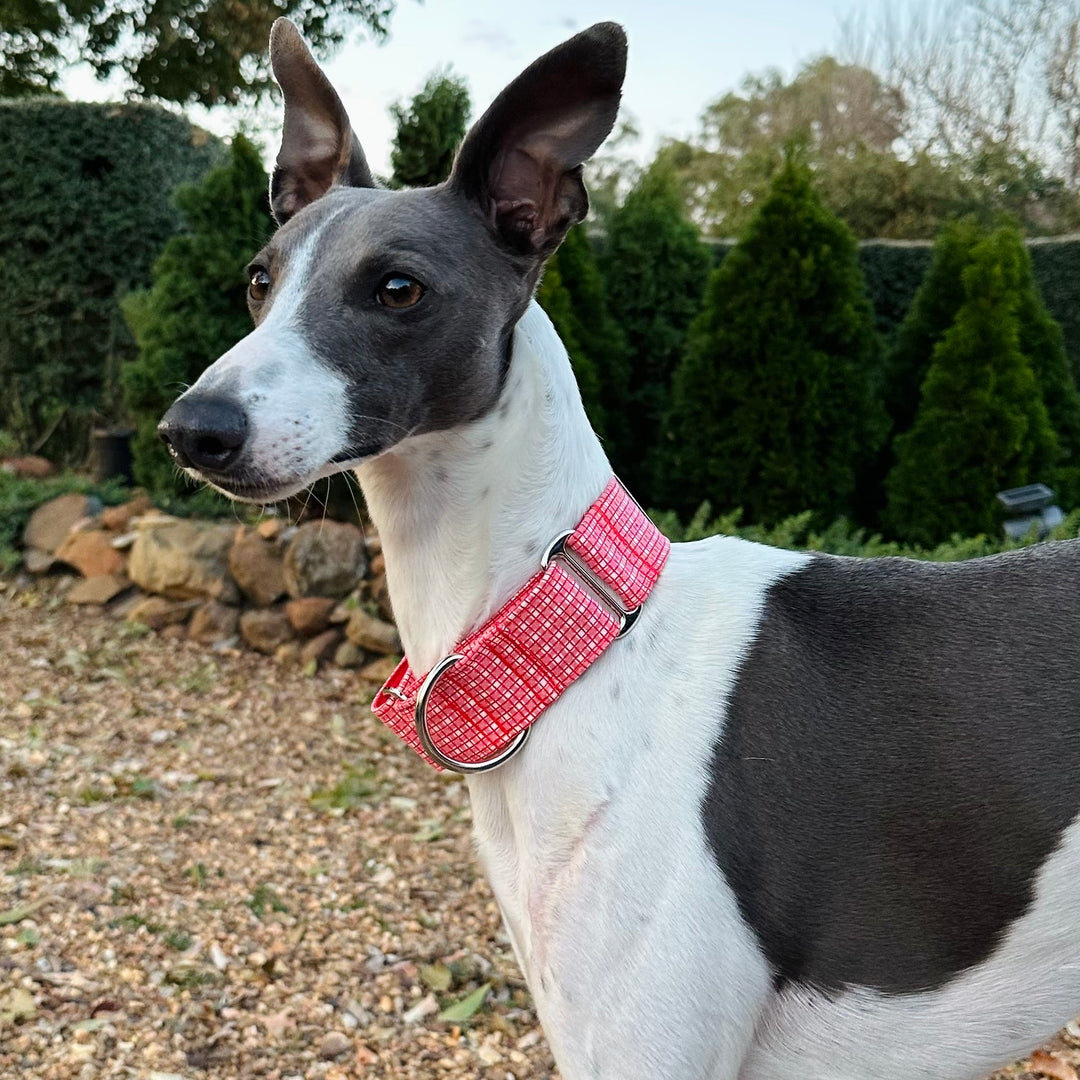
(811, 815)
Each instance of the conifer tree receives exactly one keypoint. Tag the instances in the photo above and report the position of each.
(981, 424)
(554, 297)
(429, 130)
(597, 336)
(933, 311)
(196, 308)
(655, 268)
(771, 407)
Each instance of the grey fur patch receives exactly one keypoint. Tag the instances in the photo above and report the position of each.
(901, 753)
(474, 295)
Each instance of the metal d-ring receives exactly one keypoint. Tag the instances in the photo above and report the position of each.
(429, 746)
(557, 549)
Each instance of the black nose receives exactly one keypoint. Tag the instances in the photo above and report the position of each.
(204, 433)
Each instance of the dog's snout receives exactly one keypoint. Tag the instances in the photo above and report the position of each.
(204, 433)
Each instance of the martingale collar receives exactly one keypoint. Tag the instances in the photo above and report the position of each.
(472, 711)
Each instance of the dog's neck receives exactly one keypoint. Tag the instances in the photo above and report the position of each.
(464, 515)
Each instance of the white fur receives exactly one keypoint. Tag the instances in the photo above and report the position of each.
(296, 405)
(591, 836)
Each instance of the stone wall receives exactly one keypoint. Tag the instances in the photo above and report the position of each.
(314, 593)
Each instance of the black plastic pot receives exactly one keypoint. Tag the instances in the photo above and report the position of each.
(110, 454)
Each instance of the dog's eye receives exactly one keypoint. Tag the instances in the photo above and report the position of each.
(399, 291)
(258, 285)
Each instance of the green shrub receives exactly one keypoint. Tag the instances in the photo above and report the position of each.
(655, 268)
(85, 191)
(981, 425)
(197, 308)
(772, 407)
(934, 310)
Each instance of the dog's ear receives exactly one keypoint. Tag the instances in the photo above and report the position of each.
(318, 147)
(521, 162)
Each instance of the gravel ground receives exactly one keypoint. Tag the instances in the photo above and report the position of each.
(211, 864)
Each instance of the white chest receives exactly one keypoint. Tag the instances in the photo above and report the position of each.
(593, 841)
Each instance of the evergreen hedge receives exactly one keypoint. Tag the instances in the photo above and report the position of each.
(894, 270)
(981, 424)
(197, 307)
(573, 294)
(655, 267)
(85, 196)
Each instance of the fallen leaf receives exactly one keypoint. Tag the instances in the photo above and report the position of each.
(437, 976)
(17, 914)
(467, 1006)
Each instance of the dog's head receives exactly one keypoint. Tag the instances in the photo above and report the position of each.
(383, 314)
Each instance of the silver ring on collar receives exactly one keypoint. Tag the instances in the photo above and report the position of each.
(429, 746)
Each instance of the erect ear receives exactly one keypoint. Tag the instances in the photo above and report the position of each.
(521, 162)
(318, 147)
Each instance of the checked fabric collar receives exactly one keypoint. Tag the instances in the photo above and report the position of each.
(472, 711)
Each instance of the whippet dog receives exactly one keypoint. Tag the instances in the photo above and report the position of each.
(811, 816)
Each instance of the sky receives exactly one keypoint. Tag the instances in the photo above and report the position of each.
(682, 56)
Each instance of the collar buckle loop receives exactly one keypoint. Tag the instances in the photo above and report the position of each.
(558, 549)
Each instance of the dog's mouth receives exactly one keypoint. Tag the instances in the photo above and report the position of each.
(251, 485)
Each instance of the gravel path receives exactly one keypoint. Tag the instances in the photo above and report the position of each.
(211, 865)
(227, 868)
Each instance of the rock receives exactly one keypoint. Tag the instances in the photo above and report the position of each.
(28, 467)
(212, 623)
(379, 670)
(343, 611)
(372, 634)
(264, 629)
(157, 612)
(310, 615)
(37, 562)
(348, 655)
(380, 593)
(119, 518)
(289, 653)
(182, 559)
(325, 558)
(97, 590)
(333, 1045)
(91, 553)
(258, 567)
(50, 523)
(321, 647)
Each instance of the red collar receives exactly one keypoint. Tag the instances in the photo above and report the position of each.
(473, 709)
